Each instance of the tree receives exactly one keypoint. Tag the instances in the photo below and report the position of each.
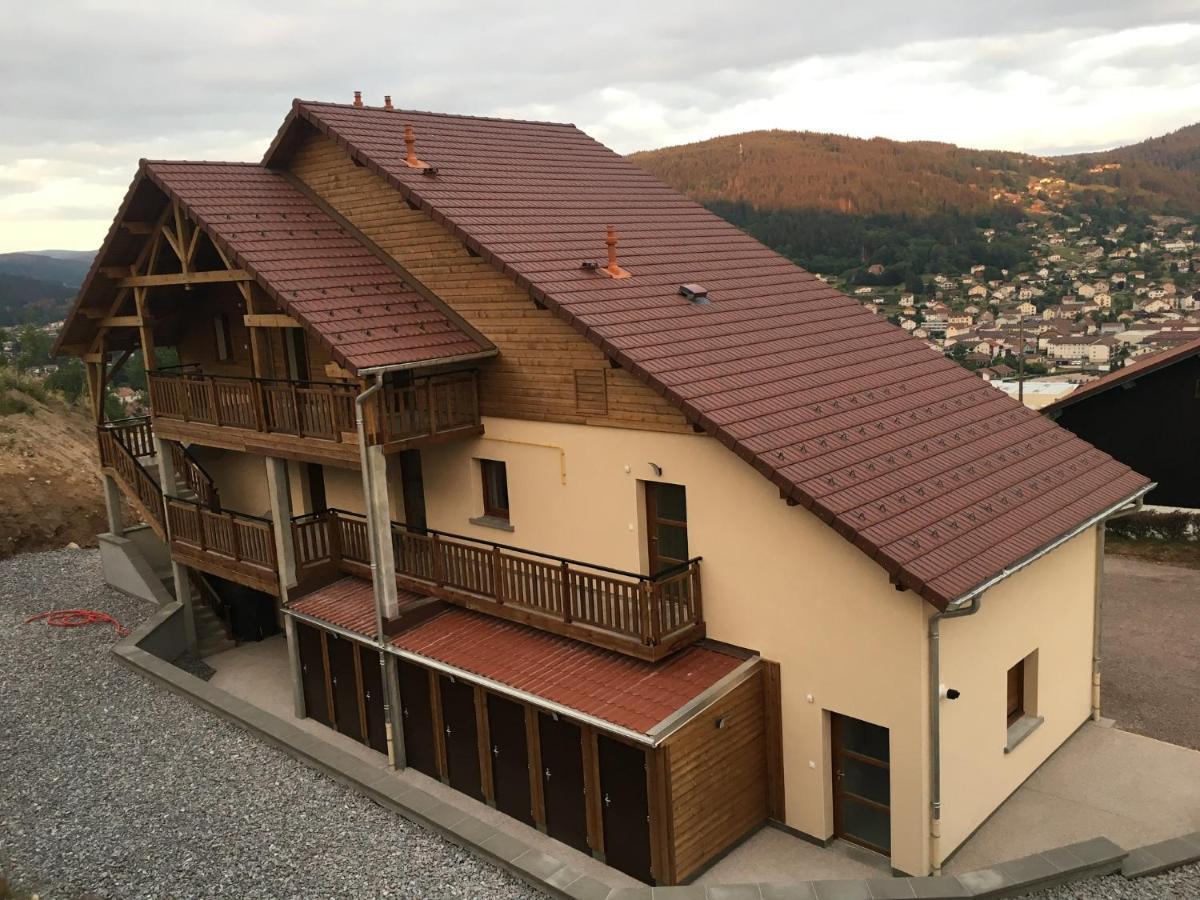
(69, 379)
(35, 347)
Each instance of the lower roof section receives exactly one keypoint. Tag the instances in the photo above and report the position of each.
(645, 700)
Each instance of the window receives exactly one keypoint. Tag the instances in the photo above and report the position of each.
(224, 339)
(1016, 692)
(495, 489)
(1020, 711)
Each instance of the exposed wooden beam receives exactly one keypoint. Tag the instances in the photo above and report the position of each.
(139, 227)
(146, 330)
(185, 278)
(333, 370)
(121, 322)
(270, 320)
(114, 272)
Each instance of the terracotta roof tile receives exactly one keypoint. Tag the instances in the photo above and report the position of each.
(836, 407)
(627, 692)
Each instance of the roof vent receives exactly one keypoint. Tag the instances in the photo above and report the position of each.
(410, 152)
(358, 98)
(694, 293)
(612, 270)
(387, 102)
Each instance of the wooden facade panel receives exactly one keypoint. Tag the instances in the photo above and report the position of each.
(534, 377)
(718, 777)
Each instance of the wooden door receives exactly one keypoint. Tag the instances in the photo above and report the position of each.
(861, 783)
(343, 676)
(666, 525)
(510, 758)
(311, 645)
(562, 781)
(416, 714)
(462, 737)
(412, 483)
(372, 698)
(624, 807)
(314, 474)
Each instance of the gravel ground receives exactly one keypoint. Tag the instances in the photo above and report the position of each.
(1151, 649)
(112, 786)
(1182, 883)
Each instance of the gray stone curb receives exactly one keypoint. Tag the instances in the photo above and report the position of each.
(547, 873)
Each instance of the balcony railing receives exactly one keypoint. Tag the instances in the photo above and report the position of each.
(123, 445)
(426, 408)
(641, 615)
(232, 545)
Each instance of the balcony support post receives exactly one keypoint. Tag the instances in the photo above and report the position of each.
(379, 513)
(289, 630)
(112, 505)
(183, 584)
(279, 490)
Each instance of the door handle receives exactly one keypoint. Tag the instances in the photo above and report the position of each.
(334, 679)
(367, 694)
(405, 712)
(447, 729)
(495, 750)
(607, 801)
(838, 774)
(546, 772)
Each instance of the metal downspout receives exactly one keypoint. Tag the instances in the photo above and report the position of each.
(360, 404)
(935, 727)
(1098, 607)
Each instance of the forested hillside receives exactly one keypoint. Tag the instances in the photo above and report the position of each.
(38, 287)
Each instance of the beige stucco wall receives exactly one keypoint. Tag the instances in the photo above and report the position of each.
(1047, 607)
(241, 479)
(775, 580)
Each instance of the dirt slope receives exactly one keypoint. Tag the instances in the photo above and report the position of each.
(49, 488)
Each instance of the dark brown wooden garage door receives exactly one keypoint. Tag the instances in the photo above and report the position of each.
(312, 672)
(344, 677)
(462, 737)
(562, 781)
(624, 807)
(372, 698)
(416, 710)
(510, 758)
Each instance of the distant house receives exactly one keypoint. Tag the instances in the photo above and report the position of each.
(875, 269)
(1148, 416)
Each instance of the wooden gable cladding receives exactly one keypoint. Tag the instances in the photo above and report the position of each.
(535, 374)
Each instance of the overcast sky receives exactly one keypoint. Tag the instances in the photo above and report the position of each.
(87, 87)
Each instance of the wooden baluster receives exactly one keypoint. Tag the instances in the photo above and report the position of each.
(432, 408)
(564, 588)
(295, 408)
(646, 598)
(435, 549)
(497, 575)
(213, 399)
(233, 535)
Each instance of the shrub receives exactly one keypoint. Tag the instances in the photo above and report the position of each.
(1173, 527)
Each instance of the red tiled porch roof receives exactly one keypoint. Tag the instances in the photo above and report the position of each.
(348, 603)
(627, 692)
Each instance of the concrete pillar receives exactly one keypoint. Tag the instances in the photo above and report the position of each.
(112, 505)
(395, 720)
(379, 510)
(279, 489)
(183, 584)
(289, 630)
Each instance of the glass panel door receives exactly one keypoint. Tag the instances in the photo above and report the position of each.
(861, 783)
(666, 525)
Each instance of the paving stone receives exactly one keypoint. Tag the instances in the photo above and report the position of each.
(1063, 859)
(472, 830)
(1028, 870)
(564, 876)
(733, 892)
(842, 890)
(944, 886)
(1155, 858)
(891, 888)
(585, 887)
(1097, 851)
(1141, 862)
(444, 815)
(504, 846)
(538, 864)
(634, 893)
(679, 892)
(982, 881)
(801, 890)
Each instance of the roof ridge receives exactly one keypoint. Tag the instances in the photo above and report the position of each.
(429, 112)
(201, 162)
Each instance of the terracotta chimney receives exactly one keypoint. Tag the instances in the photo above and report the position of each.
(387, 101)
(612, 269)
(358, 98)
(410, 145)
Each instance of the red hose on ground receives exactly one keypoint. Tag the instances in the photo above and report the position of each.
(73, 618)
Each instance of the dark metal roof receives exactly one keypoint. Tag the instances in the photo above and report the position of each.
(940, 478)
(1143, 365)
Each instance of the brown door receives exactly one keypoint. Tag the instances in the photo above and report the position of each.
(562, 781)
(372, 698)
(344, 678)
(416, 714)
(861, 783)
(412, 483)
(624, 807)
(312, 672)
(462, 736)
(510, 758)
(666, 525)
(314, 474)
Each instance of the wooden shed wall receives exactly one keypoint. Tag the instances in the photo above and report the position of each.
(717, 777)
(535, 375)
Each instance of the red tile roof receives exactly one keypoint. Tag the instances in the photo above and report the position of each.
(313, 269)
(628, 692)
(348, 603)
(1143, 365)
(940, 478)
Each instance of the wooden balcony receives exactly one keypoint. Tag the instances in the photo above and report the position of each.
(310, 420)
(638, 615)
(234, 546)
(126, 453)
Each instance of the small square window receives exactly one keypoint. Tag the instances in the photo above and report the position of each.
(495, 488)
(1021, 710)
(1016, 692)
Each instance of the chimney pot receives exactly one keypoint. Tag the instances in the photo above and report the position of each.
(410, 147)
(612, 269)
(358, 98)
(387, 101)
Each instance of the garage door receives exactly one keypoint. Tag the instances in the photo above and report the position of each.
(510, 758)
(624, 807)
(462, 737)
(417, 715)
(372, 698)
(562, 781)
(312, 672)
(343, 676)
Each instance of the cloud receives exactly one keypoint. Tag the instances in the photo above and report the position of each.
(89, 86)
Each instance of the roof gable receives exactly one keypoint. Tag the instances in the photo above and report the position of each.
(944, 481)
(1138, 368)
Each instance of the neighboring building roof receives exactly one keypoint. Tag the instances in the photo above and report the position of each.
(349, 604)
(1143, 365)
(627, 692)
(942, 480)
(313, 269)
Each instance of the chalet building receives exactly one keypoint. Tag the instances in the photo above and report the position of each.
(1147, 415)
(571, 495)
